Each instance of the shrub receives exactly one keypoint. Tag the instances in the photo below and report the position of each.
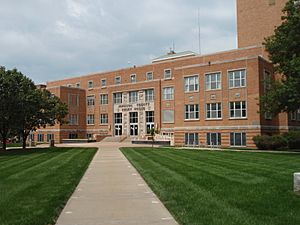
(266, 142)
(293, 139)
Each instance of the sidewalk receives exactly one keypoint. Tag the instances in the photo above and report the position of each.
(112, 192)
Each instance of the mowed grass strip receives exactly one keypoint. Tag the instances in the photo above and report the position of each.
(221, 187)
(36, 184)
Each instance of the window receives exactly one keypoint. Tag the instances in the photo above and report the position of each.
(168, 116)
(104, 99)
(191, 139)
(149, 95)
(149, 76)
(118, 118)
(238, 139)
(73, 136)
(103, 83)
(168, 93)
(133, 117)
(118, 80)
(213, 111)
(133, 96)
(213, 139)
(40, 137)
(238, 109)
(295, 115)
(103, 118)
(118, 98)
(73, 119)
(133, 78)
(191, 112)
(213, 81)
(191, 84)
(237, 78)
(168, 74)
(91, 100)
(149, 121)
(90, 84)
(90, 119)
(89, 136)
(77, 85)
(50, 137)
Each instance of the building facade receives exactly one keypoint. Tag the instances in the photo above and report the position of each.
(197, 100)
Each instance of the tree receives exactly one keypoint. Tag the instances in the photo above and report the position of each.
(24, 108)
(284, 52)
(152, 133)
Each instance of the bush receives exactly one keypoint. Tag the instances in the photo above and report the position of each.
(266, 142)
(293, 139)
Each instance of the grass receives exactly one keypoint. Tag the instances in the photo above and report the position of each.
(222, 187)
(36, 184)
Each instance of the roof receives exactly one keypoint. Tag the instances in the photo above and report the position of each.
(173, 55)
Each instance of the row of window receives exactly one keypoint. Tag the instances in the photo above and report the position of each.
(215, 139)
(214, 110)
(295, 115)
(133, 118)
(40, 137)
(236, 78)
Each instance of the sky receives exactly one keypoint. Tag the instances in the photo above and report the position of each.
(55, 39)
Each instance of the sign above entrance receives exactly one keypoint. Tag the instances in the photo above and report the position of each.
(133, 107)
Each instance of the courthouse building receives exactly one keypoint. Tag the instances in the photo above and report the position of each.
(190, 99)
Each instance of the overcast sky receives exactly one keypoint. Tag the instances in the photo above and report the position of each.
(55, 39)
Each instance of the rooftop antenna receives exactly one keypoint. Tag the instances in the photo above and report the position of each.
(199, 32)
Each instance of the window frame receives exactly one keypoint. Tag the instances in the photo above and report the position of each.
(133, 99)
(196, 85)
(103, 101)
(218, 109)
(103, 82)
(131, 78)
(92, 84)
(90, 119)
(233, 141)
(152, 75)
(241, 110)
(165, 77)
(217, 82)
(235, 70)
(188, 139)
(147, 99)
(118, 82)
(172, 94)
(90, 100)
(119, 98)
(103, 118)
(188, 113)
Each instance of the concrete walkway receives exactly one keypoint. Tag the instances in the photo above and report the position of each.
(112, 192)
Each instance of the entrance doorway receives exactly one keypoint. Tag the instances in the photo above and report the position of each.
(133, 120)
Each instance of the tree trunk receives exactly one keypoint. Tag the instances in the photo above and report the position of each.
(4, 142)
(24, 137)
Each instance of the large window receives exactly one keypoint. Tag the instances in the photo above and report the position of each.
(168, 93)
(149, 76)
(104, 118)
(149, 121)
(149, 95)
(91, 100)
(191, 83)
(133, 117)
(213, 81)
(213, 111)
(118, 118)
(90, 119)
(73, 135)
(104, 99)
(237, 78)
(191, 112)
(73, 119)
(238, 109)
(213, 139)
(191, 139)
(133, 96)
(73, 99)
(168, 74)
(118, 98)
(168, 116)
(238, 139)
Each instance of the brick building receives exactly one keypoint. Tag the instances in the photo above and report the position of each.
(191, 99)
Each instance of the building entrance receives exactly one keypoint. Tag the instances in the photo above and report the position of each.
(133, 120)
(134, 130)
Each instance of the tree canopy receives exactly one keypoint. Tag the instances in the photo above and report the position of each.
(24, 108)
(284, 52)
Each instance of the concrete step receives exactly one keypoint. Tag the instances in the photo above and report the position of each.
(112, 139)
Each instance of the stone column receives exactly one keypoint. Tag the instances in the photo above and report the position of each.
(297, 183)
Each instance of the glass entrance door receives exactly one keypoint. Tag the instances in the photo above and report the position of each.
(134, 130)
(118, 130)
(133, 119)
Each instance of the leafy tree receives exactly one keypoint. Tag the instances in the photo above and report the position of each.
(24, 108)
(284, 52)
(152, 133)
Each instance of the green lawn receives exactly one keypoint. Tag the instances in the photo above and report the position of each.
(222, 187)
(35, 184)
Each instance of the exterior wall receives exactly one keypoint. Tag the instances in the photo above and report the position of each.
(257, 19)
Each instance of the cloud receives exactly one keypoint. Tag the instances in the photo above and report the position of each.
(53, 39)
